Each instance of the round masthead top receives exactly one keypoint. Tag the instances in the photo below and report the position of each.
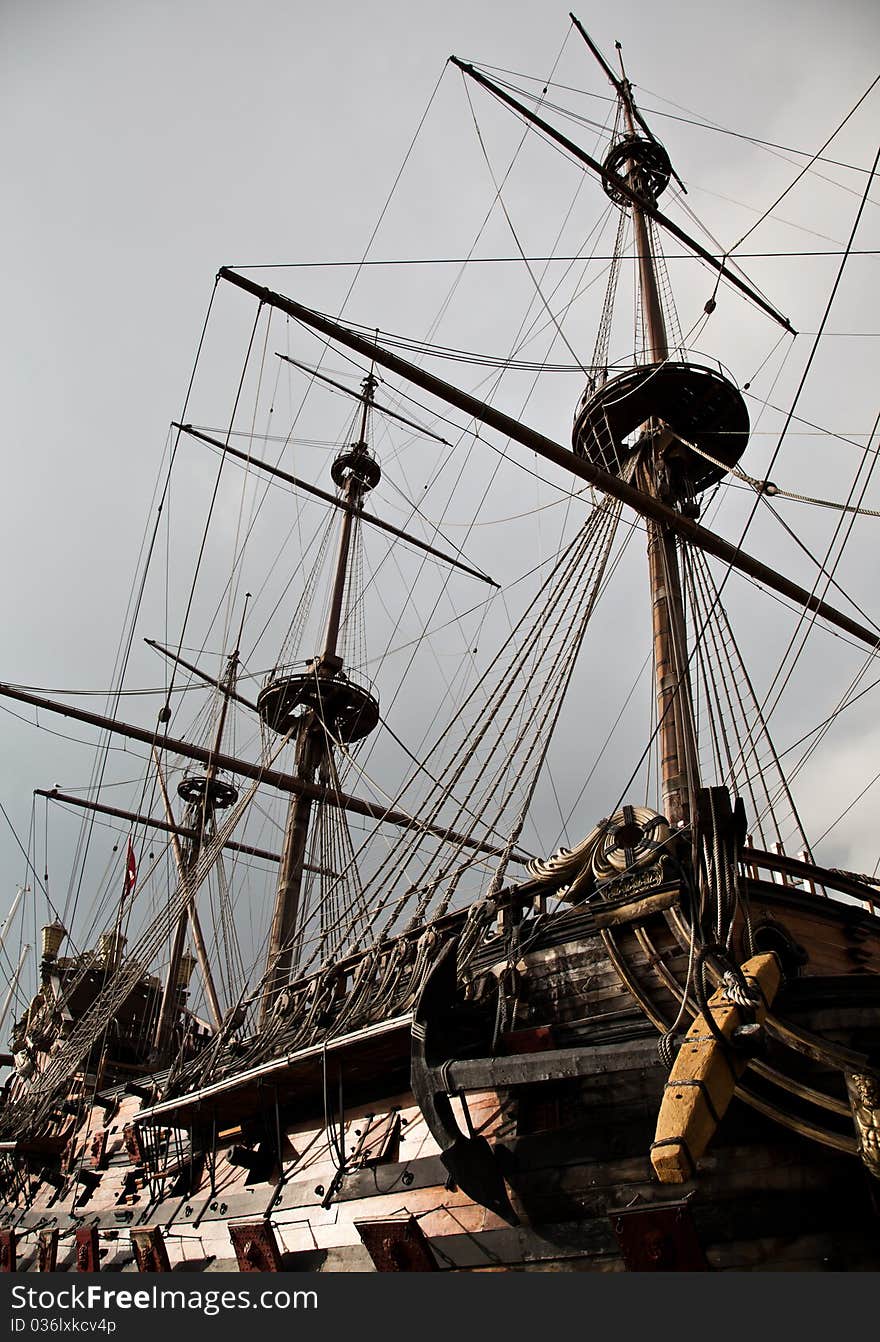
(697, 406)
(348, 710)
(356, 463)
(647, 159)
(196, 788)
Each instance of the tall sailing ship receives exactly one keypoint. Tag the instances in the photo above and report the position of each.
(654, 1047)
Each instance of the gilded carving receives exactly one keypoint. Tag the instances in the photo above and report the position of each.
(864, 1099)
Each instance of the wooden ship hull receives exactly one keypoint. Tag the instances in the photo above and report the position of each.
(657, 1051)
(338, 1157)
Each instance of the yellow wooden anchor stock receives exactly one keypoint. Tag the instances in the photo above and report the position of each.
(704, 1076)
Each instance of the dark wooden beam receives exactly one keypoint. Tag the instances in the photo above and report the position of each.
(644, 504)
(526, 1069)
(382, 409)
(137, 819)
(846, 882)
(634, 197)
(271, 777)
(618, 85)
(335, 500)
(203, 675)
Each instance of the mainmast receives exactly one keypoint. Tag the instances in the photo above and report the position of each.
(666, 428)
(644, 425)
(679, 761)
(320, 707)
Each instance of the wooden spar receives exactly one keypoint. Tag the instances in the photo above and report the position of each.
(679, 758)
(382, 409)
(637, 499)
(634, 197)
(271, 777)
(703, 1077)
(310, 749)
(197, 671)
(617, 85)
(334, 499)
(186, 865)
(226, 686)
(152, 822)
(351, 495)
(313, 747)
(13, 983)
(184, 869)
(679, 766)
(10, 917)
(168, 1007)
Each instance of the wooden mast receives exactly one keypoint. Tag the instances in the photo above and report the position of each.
(204, 794)
(679, 764)
(356, 472)
(169, 1006)
(293, 860)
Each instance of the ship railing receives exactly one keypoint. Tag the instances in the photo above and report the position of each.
(293, 670)
(802, 874)
(599, 374)
(677, 354)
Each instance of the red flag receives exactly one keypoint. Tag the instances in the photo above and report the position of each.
(131, 871)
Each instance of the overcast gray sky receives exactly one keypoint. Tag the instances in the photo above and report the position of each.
(146, 144)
